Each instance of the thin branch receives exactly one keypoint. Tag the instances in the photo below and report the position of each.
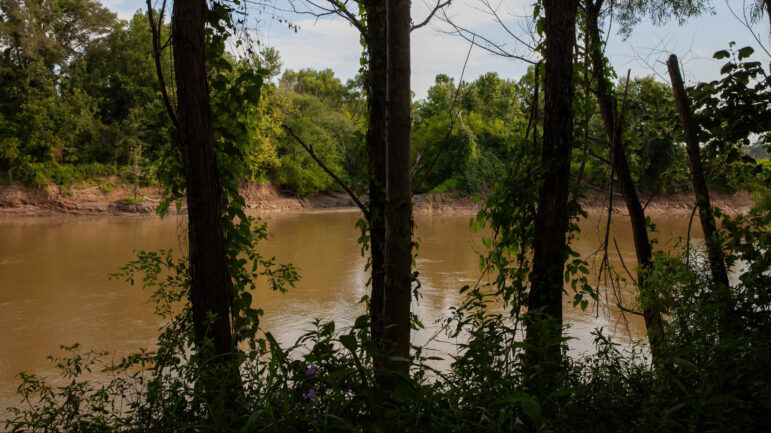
(627, 310)
(599, 158)
(331, 174)
(485, 44)
(157, 57)
(439, 5)
(653, 194)
(688, 237)
(449, 130)
(623, 265)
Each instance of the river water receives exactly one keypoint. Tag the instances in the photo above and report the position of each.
(54, 286)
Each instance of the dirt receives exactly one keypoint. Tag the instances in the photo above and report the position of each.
(109, 198)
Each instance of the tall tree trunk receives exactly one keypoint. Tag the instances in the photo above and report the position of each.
(210, 286)
(707, 218)
(376, 146)
(544, 323)
(768, 15)
(613, 127)
(398, 212)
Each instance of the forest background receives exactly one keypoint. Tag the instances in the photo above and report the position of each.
(80, 100)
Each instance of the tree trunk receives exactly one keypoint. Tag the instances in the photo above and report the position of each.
(714, 250)
(544, 322)
(613, 127)
(210, 286)
(398, 212)
(707, 218)
(376, 146)
(768, 15)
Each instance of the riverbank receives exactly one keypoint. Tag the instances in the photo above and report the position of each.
(107, 198)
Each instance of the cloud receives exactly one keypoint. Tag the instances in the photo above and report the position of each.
(333, 43)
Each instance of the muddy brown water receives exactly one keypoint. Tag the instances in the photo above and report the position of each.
(54, 286)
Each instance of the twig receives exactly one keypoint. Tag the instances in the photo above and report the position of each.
(339, 181)
(627, 310)
(623, 265)
(599, 158)
(688, 237)
(647, 202)
(438, 6)
(449, 130)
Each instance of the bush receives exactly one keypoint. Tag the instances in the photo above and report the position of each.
(40, 174)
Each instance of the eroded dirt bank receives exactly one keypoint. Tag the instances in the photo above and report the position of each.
(106, 198)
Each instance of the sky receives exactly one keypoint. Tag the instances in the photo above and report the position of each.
(333, 43)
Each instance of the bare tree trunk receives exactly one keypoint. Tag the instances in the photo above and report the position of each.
(398, 212)
(544, 323)
(707, 218)
(768, 15)
(376, 145)
(613, 128)
(210, 286)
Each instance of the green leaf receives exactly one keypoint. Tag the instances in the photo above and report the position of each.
(745, 52)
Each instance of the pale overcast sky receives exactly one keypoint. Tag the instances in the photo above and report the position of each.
(333, 43)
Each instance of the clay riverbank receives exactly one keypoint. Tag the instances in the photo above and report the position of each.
(106, 198)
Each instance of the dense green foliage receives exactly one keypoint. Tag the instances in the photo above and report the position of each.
(83, 101)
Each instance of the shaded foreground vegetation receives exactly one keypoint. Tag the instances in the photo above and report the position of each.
(214, 369)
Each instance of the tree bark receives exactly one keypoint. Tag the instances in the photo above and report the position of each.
(210, 285)
(398, 211)
(544, 319)
(613, 127)
(376, 147)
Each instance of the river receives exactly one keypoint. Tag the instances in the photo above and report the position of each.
(54, 286)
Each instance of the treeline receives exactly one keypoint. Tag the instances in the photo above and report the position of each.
(80, 99)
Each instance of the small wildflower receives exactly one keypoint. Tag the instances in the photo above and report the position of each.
(503, 410)
(544, 426)
(484, 417)
(310, 394)
(311, 370)
(518, 421)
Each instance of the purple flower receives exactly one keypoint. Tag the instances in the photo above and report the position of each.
(518, 421)
(310, 394)
(502, 410)
(484, 417)
(544, 426)
(311, 370)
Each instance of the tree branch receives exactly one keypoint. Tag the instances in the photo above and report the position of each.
(157, 57)
(438, 6)
(449, 130)
(331, 174)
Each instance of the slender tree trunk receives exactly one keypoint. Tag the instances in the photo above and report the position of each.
(714, 250)
(398, 212)
(707, 218)
(544, 323)
(376, 146)
(768, 15)
(613, 127)
(210, 287)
